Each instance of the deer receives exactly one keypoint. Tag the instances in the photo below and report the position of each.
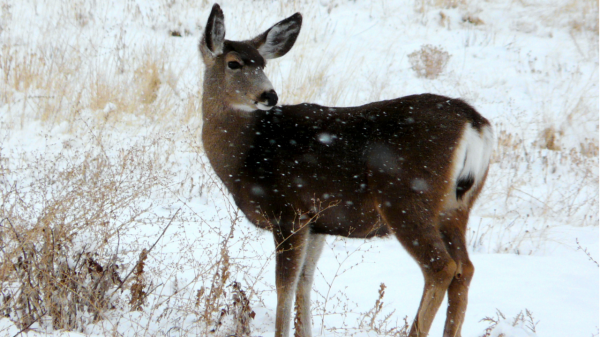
(411, 167)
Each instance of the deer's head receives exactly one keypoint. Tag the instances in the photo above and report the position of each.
(236, 68)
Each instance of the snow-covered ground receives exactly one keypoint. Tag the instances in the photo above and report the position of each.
(109, 92)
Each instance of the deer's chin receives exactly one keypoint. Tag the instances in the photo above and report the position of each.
(264, 107)
(254, 107)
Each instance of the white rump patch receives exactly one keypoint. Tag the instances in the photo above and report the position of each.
(472, 157)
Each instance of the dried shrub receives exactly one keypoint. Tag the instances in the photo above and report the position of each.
(472, 19)
(217, 289)
(371, 320)
(429, 61)
(241, 310)
(589, 148)
(580, 15)
(62, 219)
(44, 277)
(549, 139)
(148, 81)
(238, 312)
(422, 6)
(138, 293)
(224, 308)
(524, 321)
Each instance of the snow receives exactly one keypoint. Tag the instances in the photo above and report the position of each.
(527, 66)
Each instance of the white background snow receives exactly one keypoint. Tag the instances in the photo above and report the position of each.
(529, 66)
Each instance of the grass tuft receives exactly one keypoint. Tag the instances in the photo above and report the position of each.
(429, 61)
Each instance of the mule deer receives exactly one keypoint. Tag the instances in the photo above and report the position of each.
(411, 167)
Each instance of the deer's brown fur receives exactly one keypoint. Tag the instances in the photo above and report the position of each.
(411, 167)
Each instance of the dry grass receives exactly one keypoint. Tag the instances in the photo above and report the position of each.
(524, 206)
(581, 15)
(549, 139)
(63, 79)
(372, 320)
(63, 218)
(38, 79)
(81, 235)
(421, 6)
(525, 322)
(429, 61)
(310, 77)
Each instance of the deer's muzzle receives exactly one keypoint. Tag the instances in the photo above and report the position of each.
(269, 98)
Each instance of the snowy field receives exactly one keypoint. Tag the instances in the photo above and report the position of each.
(101, 161)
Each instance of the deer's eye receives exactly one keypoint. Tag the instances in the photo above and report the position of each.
(234, 65)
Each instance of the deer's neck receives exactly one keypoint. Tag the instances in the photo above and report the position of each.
(226, 133)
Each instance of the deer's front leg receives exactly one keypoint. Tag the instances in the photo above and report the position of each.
(290, 254)
(303, 321)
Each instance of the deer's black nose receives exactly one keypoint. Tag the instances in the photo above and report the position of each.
(269, 96)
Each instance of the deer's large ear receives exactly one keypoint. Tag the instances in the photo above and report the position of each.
(214, 34)
(280, 38)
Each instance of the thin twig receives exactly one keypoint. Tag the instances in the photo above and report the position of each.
(27, 327)
(28, 274)
(147, 252)
(3, 251)
(23, 249)
(589, 255)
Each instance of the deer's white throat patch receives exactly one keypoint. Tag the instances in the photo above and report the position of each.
(243, 107)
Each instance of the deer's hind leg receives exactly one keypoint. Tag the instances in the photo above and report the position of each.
(414, 224)
(453, 226)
